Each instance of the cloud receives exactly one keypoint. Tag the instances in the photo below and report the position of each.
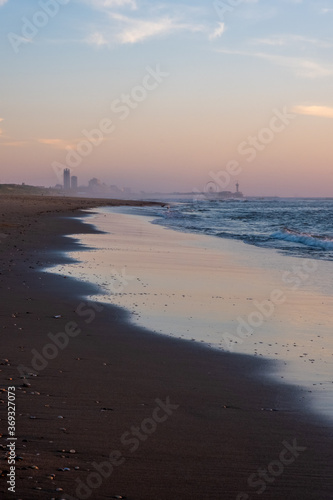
(130, 30)
(97, 39)
(137, 30)
(15, 143)
(320, 111)
(218, 32)
(291, 40)
(2, 2)
(107, 4)
(304, 68)
(64, 144)
(56, 143)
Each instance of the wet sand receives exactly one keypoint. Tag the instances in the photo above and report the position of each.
(220, 292)
(112, 383)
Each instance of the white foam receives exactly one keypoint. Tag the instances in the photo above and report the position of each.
(304, 239)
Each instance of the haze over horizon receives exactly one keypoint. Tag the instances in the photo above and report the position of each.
(169, 96)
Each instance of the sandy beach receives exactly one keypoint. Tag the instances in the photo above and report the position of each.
(106, 409)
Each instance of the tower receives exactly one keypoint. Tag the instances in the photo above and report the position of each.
(67, 179)
(237, 187)
(74, 183)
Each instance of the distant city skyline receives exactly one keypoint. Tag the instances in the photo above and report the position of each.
(167, 96)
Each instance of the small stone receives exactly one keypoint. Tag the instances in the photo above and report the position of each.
(34, 467)
(59, 489)
(72, 451)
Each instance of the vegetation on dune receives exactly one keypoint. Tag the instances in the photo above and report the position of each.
(25, 189)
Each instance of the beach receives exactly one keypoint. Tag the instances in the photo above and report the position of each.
(130, 413)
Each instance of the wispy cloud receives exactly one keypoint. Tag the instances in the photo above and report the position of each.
(107, 4)
(292, 40)
(2, 2)
(131, 30)
(97, 39)
(16, 144)
(218, 32)
(302, 67)
(313, 110)
(137, 30)
(56, 143)
(63, 144)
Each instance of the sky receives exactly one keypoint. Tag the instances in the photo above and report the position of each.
(169, 96)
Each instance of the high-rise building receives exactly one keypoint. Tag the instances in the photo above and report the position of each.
(67, 179)
(74, 183)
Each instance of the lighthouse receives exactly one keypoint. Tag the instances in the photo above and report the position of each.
(237, 187)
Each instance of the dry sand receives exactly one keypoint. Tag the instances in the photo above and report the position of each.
(110, 385)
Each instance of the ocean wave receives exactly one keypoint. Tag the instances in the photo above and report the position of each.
(309, 240)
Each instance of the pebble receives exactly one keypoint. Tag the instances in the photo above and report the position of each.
(72, 451)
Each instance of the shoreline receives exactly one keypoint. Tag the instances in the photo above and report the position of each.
(114, 376)
(213, 291)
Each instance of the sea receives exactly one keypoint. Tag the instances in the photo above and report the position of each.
(294, 226)
(290, 241)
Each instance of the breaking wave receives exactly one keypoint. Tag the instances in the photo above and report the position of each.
(304, 239)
